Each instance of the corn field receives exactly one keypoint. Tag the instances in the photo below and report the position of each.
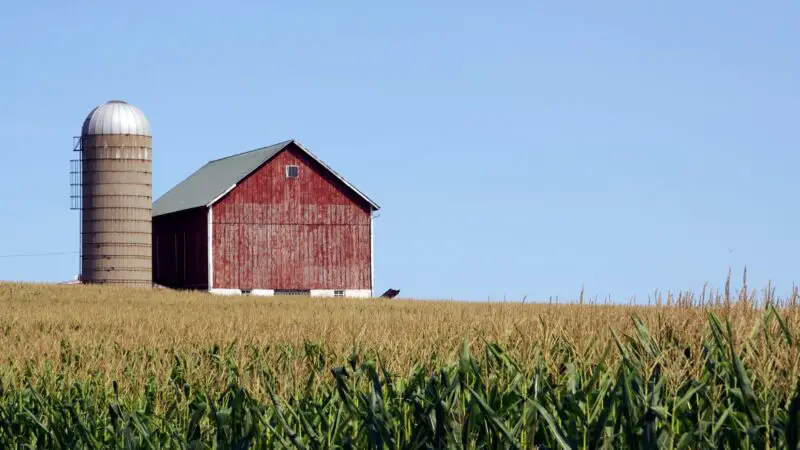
(95, 367)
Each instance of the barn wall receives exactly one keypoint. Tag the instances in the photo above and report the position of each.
(180, 249)
(271, 232)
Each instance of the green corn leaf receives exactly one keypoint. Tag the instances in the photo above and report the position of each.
(292, 435)
(309, 430)
(602, 420)
(787, 333)
(720, 423)
(685, 441)
(744, 382)
(492, 417)
(555, 430)
(685, 398)
(644, 336)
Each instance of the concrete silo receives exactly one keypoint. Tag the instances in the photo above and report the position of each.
(115, 196)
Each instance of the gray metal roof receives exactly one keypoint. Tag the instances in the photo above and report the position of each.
(209, 183)
(116, 117)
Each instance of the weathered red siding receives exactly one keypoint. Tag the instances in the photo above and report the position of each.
(272, 232)
(180, 249)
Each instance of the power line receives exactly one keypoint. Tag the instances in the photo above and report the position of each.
(27, 255)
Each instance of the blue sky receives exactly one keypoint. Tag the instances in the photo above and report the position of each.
(516, 148)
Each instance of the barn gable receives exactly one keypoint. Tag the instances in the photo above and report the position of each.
(212, 181)
(272, 232)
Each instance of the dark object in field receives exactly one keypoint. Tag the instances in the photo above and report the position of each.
(390, 293)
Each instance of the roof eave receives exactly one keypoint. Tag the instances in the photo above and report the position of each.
(219, 197)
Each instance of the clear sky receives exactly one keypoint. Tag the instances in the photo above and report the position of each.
(516, 148)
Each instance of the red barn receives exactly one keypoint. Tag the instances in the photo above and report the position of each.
(272, 221)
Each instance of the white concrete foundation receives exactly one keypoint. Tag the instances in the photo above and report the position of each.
(263, 292)
(352, 293)
(322, 293)
(218, 291)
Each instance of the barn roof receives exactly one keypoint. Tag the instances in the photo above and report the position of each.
(209, 183)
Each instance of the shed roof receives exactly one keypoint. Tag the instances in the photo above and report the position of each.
(209, 183)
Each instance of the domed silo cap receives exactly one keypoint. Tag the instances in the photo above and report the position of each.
(116, 117)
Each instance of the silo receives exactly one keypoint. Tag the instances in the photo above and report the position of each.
(116, 196)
